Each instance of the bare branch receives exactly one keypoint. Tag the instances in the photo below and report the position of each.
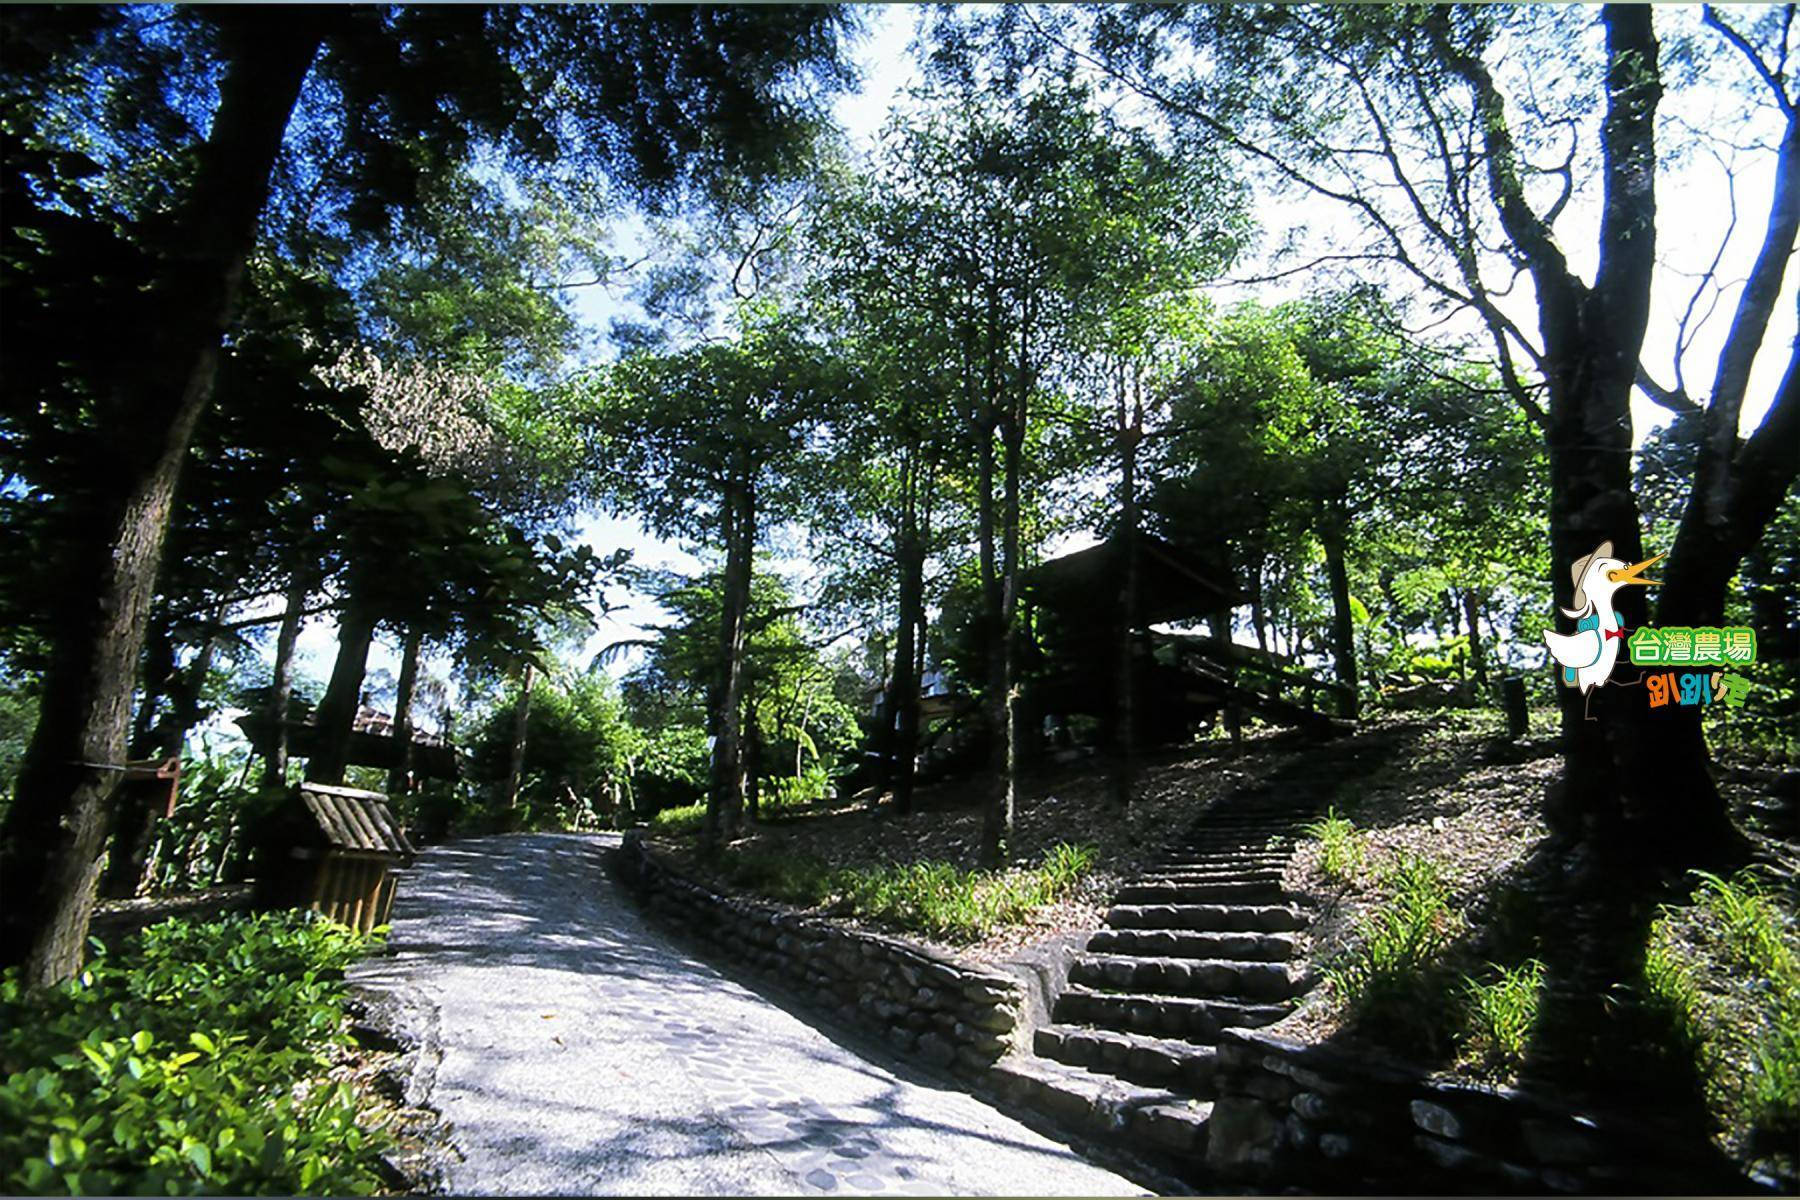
(1710, 16)
(1675, 399)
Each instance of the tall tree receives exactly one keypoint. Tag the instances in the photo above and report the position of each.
(673, 94)
(1461, 174)
(707, 444)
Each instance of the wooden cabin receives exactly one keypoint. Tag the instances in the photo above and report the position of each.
(1183, 680)
(332, 850)
(372, 743)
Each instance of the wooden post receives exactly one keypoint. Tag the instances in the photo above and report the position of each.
(1512, 698)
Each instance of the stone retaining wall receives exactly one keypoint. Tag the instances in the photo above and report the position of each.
(944, 1013)
(1289, 1113)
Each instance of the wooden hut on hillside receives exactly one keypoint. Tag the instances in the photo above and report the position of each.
(1183, 680)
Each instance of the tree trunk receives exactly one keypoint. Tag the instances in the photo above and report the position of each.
(753, 750)
(1258, 619)
(886, 714)
(725, 799)
(1343, 627)
(133, 819)
(521, 729)
(51, 842)
(906, 665)
(997, 823)
(1477, 648)
(400, 776)
(281, 683)
(997, 810)
(184, 701)
(1131, 432)
(335, 719)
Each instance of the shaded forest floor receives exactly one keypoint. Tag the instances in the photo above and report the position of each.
(1454, 794)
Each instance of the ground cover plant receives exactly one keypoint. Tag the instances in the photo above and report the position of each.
(1723, 975)
(931, 896)
(197, 1062)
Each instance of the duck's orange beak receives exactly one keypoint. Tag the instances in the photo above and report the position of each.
(1630, 574)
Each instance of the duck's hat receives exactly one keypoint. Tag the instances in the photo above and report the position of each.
(1579, 572)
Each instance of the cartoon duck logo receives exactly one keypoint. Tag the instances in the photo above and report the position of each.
(1587, 656)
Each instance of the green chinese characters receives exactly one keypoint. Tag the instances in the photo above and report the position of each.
(1681, 646)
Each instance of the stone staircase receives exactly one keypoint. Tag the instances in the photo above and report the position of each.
(1198, 944)
(1205, 940)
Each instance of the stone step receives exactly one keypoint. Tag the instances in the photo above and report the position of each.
(1213, 918)
(1190, 1018)
(1270, 842)
(1200, 892)
(1185, 976)
(1209, 875)
(1104, 1105)
(1189, 943)
(1154, 1062)
(1233, 859)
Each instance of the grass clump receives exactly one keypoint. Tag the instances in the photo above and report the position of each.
(942, 900)
(676, 822)
(1340, 846)
(932, 897)
(198, 1064)
(1722, 980)
(1391, 979)
(1501, 1015)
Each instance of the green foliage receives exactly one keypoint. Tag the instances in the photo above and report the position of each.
(579, 747)
(931, 897)
(198, 1065)
(202, 843)
(1721, 981)
(1672, 990)
(791, 792)
(1392, 980)
(1755, 929)
(1502, 1014)
(680, 821)
(1340, 846)
(18, 717)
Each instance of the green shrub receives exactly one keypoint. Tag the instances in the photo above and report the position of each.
(1340, 846)
(788, 793)
(1753, 927)
(686, 819)
(1502, 1014)
(1673, 990)
(1391, 979)
(1756, 939)
(197, 1066)
(1066, 865)
(932, 897)
(794, 878)
(1743, 1041)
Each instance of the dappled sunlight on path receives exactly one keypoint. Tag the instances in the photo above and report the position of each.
(581, 1053)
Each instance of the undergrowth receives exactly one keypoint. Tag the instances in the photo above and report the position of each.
(198, 1064)
(933, 897)
(674, 821)
(1390, 979)
(1340, 846)
(1723, 974)
(1501, 1015)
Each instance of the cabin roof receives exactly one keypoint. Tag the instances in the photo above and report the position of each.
(1173, 584)
(355, 820)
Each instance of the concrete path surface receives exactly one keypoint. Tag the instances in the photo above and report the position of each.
(578, 1052)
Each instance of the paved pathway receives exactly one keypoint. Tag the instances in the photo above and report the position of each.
(579, 1052)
